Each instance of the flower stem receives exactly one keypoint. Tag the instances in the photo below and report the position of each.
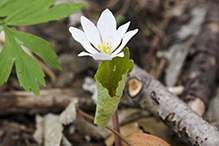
(109, 78)
(115, 118)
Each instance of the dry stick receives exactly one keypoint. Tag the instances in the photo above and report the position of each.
(50, 100)
(155, 98)
(27, 142)
(160, 68)
(202, 76)
(29, 130)
(108, 127)
(158, 29)
(146, 58)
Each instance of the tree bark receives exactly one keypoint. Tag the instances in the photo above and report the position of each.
(155, 98)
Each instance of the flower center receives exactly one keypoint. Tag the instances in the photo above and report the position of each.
(104, 48)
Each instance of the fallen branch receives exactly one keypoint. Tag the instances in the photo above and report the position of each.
(154, 97)
(202, 76)
(52, 100)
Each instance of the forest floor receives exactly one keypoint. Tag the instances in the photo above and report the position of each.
(176, 43)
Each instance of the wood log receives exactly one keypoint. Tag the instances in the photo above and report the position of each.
(155, 98)
(52, 100)
(202, 76)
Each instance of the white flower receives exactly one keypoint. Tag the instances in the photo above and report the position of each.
(103, 42)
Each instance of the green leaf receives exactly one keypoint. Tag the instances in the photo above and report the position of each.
(6, 61)
(28, 70)
(9, 6)
(102, 96)
(41, 11)
(2, 2)
(37, 45)
(118, 66)
(107, 105)
(1, 28)
(28, 12)
(28, 9)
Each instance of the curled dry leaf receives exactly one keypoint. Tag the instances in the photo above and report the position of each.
(177, 90)
(176, 55)
(65, 141)
(69, 114)
(91, 86)
(143, 139)
(52, 130)
(38, 134)
(48, 129)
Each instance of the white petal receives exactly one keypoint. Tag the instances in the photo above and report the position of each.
(121, 54)
(125, 40)
(80, 37)
(118, 35)
(84, 54)
(102, 56)
(106, 26)
(90, 31)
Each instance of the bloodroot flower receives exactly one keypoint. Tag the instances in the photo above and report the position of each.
(103, 42)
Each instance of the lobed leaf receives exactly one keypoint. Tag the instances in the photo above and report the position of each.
(29, 9)
(28, 12)
(28, 70)
(9, 6)
(2, 2)
(41, 11)
(37, 45)
(6, 61)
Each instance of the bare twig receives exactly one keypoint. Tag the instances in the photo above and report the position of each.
(160, 68)
(6, 124)
(108, 127)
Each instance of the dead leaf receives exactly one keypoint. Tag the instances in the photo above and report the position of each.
(65, 141)
(38, 134)
(53, 130)
(125, 130)
(143, 139)
(48, 129)
(69, 114)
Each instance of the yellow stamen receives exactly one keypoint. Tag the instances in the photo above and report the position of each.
(103, 48)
